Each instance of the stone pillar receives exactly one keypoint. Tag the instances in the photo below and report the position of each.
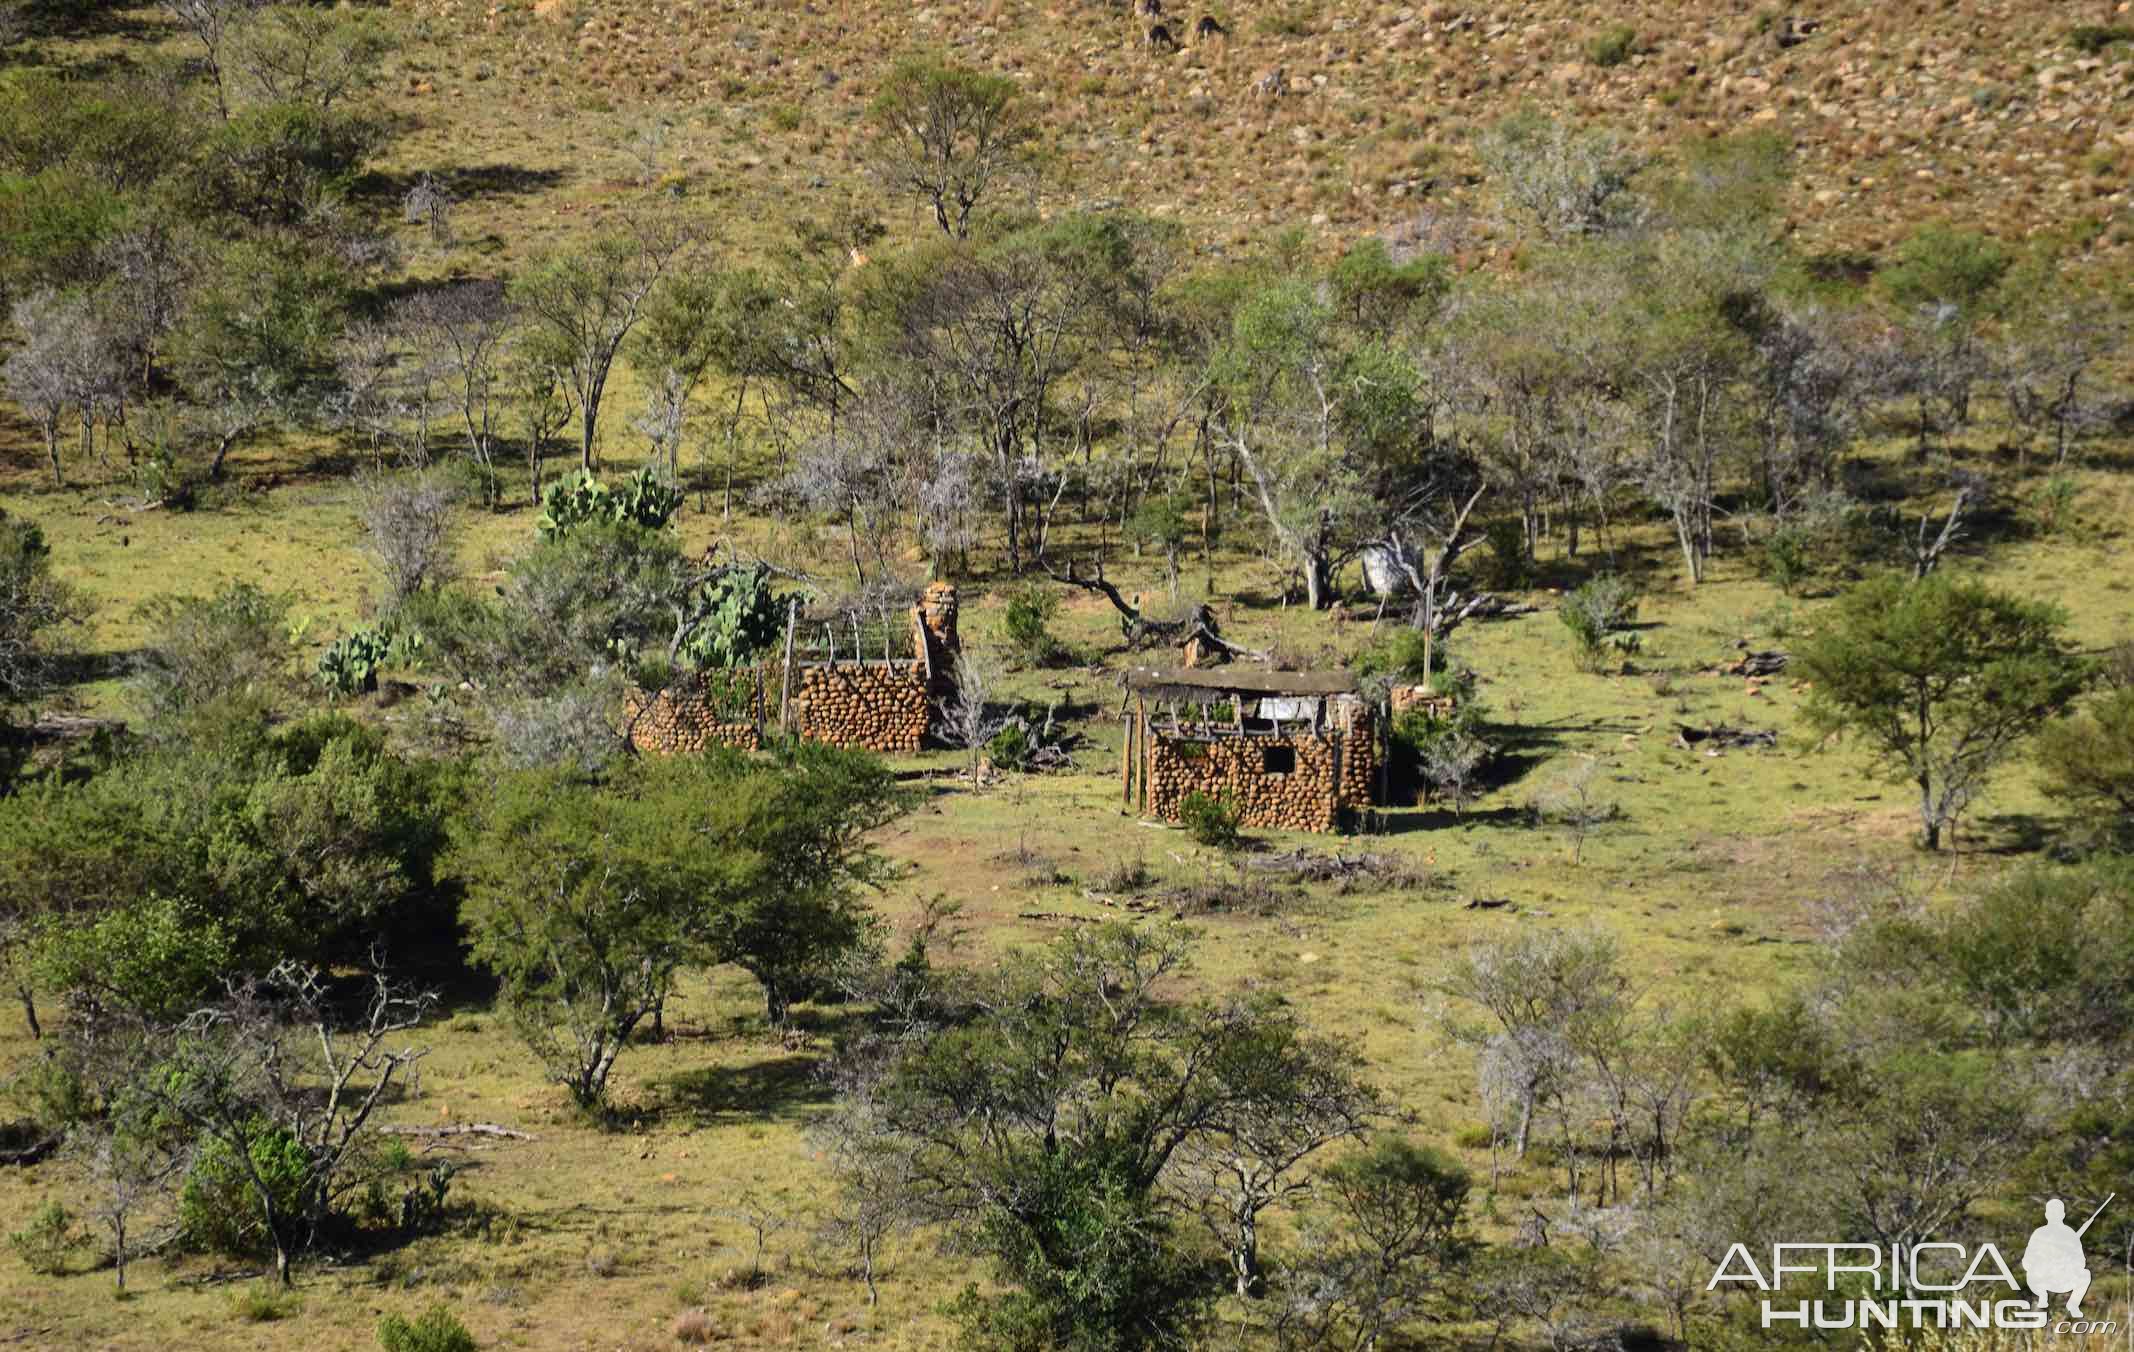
(934, 636)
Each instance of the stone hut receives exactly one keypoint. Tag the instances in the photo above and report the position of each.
(825, 693)
(1295, 750)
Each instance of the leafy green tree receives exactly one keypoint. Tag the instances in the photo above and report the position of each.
(1945, 283)
(153, 958)
(255, 344)
(587, 898)
(33, 604)
(1333, 432)
(1390, 1234)
(949, 137)
(577, 899)
(1941, 680)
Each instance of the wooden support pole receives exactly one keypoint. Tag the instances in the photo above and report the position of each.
(785, 681)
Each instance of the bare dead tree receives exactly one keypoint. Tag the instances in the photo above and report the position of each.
(407, 527)
(275, 1059)
(1139, 630)
(460, 332)
(1926, 553)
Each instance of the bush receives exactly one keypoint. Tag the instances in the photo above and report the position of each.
(49, 1242)
(1612, 46)
(1441, 753)
(217, 1209)
(1598, 614)
(438, 1330)
(264, 1304)
(2088, 762)
(1788, 558)
(203, 650)
(408, 533)
(1511, 567)
(1028, 625)
(2091, 39)
(1211, 819)
(1399, 653)
(1009, 749)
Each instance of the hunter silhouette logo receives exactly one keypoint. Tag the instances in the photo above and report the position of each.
(2052, 1261)
(1904, 1284)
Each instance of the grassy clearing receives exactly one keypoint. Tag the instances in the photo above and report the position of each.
(1711, 879)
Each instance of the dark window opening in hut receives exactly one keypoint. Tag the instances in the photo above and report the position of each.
(1278, 760)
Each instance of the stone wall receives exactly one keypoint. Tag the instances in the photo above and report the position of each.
(882, 706)
(1278, 783)
(1359, 758)
(686, 718)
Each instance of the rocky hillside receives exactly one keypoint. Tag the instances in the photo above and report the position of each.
(2016, 115)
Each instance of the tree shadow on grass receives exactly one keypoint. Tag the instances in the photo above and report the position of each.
(2007, 833)
(780, 1088)
(1444, 819)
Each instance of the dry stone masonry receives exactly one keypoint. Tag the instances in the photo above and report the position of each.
(878, 705)
(1294, 751)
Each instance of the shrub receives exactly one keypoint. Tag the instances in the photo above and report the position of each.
(49, 1241)
(1028, 622)
(1009, 749)
(1441, 753)
(408, 533)
(1598, 614)
(1397, 652)
(1788, 558)
(1211, 819)
(693, 1328)
(1612, 46)
(2088, 762)
(264, 1304)
(2091, 39)
(217, 1209)
(202, 651)
(1511, 567)
(2052, 504)
(438, 1330)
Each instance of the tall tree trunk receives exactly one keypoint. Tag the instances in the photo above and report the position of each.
(29, 1008)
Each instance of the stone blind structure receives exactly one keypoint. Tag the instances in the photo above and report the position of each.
(1295, 751)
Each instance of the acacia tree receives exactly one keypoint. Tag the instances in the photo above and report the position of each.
(573, 904)
(1941, 680)
(949, 137)
(460, 332)
(583, 303)
(1945, 285)
(986, 335)
(1334, 434)
(1047, 1115)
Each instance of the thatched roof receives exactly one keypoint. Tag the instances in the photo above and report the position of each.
(1192, 683)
